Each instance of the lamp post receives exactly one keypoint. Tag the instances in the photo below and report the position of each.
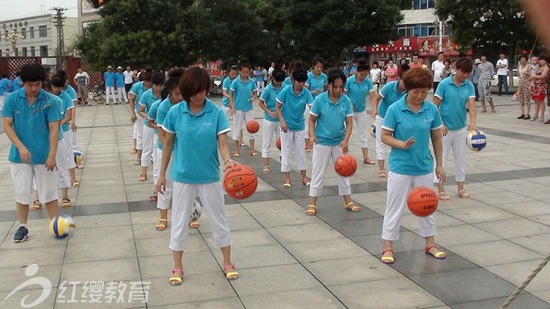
(13, 37)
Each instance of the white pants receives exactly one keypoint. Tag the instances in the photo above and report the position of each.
(361, 125)
(110, 91)
(242, 118)
(121, 94)
(45, 183)
(293, 141)
(63, 177)
(455, 140)
(399, 187)
(227, 112)
(382, 150)
(156, 162)
(138, 131)
(269, 129)
(69, 135)
(147, 146)
(211, 196)
(164, 200)
(306, 118)
(321, 159)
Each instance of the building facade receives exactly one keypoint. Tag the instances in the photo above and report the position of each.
(35, 36)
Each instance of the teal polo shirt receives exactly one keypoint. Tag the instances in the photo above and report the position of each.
(242, 92)
(269, 96)
(65, 108)
(316, 82)
(137, 89)
(454, 100)
(287, 82)
(146, 100)
(404, 123)
(389, 94)
(293, 107)
(196, 142)
(330, 128)
(31, 123)
(162, 111)
(358, 91)
(226, 85)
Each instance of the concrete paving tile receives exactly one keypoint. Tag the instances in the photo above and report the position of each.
(263, 256)
(305, 232)
(109, 270)
(532, 208)
(96, 221)
(465, 285)
(159, 245)
(111, 248)
(544, 219)
(537, 243)
(304, 298)
(226, 303)
(474, 214)
(27, 298)
(352, 228)
(16, 258)
(351, 270)
(454, 235)
(284, 218)
(385, 294)
(119, 197)
(36, 239)
(272, 206)
(99, 209)
(514, 228)
(521, 302)
(17, 276)
(494, 198)
(105, 190)
(408, 241)
(235, 223)
(494, 253)
(410, 221)
(327, 249)
(149, 231)
(160, 266)
(544, 295)
(518, 272)
(281, 278)
(119, 233)
(195, 288)
(412, 263)
(146, 217)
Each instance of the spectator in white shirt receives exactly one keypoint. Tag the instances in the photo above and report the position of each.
(502, 74)
(437, 69)
(128, 79)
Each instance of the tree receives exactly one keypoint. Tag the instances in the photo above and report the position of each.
(495, 25)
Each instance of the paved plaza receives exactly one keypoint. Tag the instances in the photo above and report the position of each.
(287, 259)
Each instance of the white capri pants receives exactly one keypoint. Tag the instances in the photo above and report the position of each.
(163, 200)
(306, 118)
(69, 149)
(45, 182)
(72, 137)
(110, 91)
(455, 140)
(242, 118)
(321, 158)
(211, 196)
(147, 145)
(138, 131)
(269, 129)
(64, 180)
(484, 89)
(121, 94)
(156, 161)
(293, 141)
(382, 150)
(361, 125)
(227, 112)
(399, 187)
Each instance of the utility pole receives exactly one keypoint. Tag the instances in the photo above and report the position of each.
(58, 19)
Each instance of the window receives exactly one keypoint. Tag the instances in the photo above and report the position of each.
(24, 33)
(16, 52)
(31, 32)
(24, 50)
(418, 30)
(42, 31)
(44, 51)
(423, 4)
(33, 52)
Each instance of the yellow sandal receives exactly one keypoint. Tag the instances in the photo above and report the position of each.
(230, 272)
(351, 206)
(311, 210)
(161, 226)
(176, 280)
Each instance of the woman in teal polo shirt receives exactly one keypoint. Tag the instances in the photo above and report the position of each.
(407, 128)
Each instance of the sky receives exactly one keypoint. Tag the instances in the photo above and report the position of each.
(13, 9)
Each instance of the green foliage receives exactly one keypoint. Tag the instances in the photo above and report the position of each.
(492, 25)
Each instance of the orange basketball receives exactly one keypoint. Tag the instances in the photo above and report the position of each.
(240, 182)
(278, 143)
(422, 201)
(253, 126)
(345, 165)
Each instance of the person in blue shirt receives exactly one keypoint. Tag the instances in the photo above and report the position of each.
(408, 126)
(31, 122)
(226, 92)
(71, 134)
(358, 87)
(330, 127)
(196, 136)
(109, 80)
(260, 75)
(120, 86)
(135, 94)
(389, 94)
(17, 83)
(455, 96)
(271, 126)
(316, 84)
(5, 88)
(145, 101)
(243, 93)
(291, 104)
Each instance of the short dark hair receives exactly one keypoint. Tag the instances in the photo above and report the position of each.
(174, 76)
(158, 79)
(146, 76)
(299, 75)
(57, 81)
(417, 78)
(524, 56)
(193, 81)
(62, 74)
(244, 64)
(404, 68)
(317, 60)
(278, 75)
(362, 65)
(164, 93)
(441, 53)
(447, 60)
(32, 73)
(335, 74)
(544, 56)
(464, 64)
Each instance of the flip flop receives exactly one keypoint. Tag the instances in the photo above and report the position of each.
(230, 272)
(387, 259)
(440, 255)
(311, 210)
(176, 280)
(351, 206)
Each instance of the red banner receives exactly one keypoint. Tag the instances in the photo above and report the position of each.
(399, 45)
(424, 46)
